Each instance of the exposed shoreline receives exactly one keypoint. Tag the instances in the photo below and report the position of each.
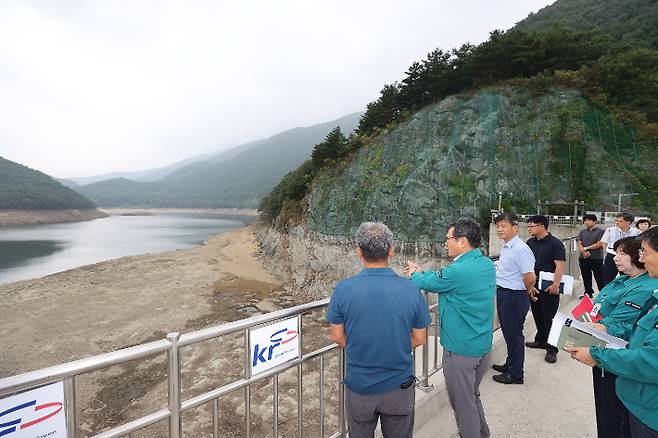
(10, 218)
(122, 302)
(227, 212)
(108, 305)
(34, 217)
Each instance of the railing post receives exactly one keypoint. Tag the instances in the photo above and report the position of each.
(175, 427)
(426, 355)
(69, 397)
(300, 395)
(341, 392)
(321, 396)
(247, 389)
(275, 405)
(215, 418)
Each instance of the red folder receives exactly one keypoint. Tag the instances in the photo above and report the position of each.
(586, 305)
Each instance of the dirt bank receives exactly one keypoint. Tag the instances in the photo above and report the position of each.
(28, 217)
(109, 305)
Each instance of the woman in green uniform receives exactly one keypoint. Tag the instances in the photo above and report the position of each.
(637, 365)
(619, 302)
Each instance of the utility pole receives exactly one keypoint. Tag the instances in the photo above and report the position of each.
(500, 199)
(619, 200)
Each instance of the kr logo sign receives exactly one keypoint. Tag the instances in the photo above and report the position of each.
(273, 345)
(35, 413)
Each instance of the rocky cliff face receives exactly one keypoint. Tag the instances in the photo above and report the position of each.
(310, 263)
(452, 159)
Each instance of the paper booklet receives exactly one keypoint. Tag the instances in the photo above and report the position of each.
(567, 332)
(546, 279)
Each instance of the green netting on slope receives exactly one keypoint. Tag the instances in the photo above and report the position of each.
(450, 160)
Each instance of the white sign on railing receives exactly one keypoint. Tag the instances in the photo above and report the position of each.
(35, 413)
(273, 345)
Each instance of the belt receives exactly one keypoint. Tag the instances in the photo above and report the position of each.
(509, 289)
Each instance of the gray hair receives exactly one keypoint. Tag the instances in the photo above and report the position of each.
(375, 240)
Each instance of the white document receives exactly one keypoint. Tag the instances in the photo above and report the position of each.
(566, 283)
(561, 320)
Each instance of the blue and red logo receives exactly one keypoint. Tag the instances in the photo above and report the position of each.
(50, 410)
(280, 337)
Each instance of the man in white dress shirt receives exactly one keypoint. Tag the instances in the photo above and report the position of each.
(622, 229)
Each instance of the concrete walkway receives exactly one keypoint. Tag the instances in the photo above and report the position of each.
(556, 400)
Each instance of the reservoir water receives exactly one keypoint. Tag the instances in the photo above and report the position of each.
(36, 250)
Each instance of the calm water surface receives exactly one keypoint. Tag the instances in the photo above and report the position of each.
(37, 250)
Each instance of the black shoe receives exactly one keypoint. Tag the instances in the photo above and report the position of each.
(551, 357)
(507, 379)
(535, 344)
(500, 368)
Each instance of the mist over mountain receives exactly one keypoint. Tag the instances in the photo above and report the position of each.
(138, 175)
(238, 177)
(541, 112)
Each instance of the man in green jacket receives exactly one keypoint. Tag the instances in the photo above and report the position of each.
(637, 365)
(466, 289)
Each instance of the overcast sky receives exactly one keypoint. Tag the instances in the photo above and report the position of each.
(89, 87)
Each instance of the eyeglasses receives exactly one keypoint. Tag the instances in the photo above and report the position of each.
(532, 226)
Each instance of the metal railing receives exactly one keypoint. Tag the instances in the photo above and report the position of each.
(176, 405)
(571, 249)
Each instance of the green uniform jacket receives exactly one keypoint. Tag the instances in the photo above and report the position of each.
(466, 289)
(637, 366)
(621, 301)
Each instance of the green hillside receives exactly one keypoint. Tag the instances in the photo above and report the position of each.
(22, 188)
(558, 113)
(452, 158)
(239, 177)
(632, 22)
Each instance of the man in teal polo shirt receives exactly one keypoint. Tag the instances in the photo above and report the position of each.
(636, 366)
(466, 289)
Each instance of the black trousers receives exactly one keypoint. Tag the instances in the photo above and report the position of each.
(609, 269)
(638, 429)
(543, 311)
(589, 267)
(610, 419)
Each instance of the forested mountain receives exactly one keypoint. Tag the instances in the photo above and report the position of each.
(239, 177)
(139, 175)
(561, 113)
(633, 22)
(22, 188)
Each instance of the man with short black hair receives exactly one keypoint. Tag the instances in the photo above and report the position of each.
(378, 318)
(466, 289)
(515, 282)
(550, 256)
(590, 260)
(622, 228)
